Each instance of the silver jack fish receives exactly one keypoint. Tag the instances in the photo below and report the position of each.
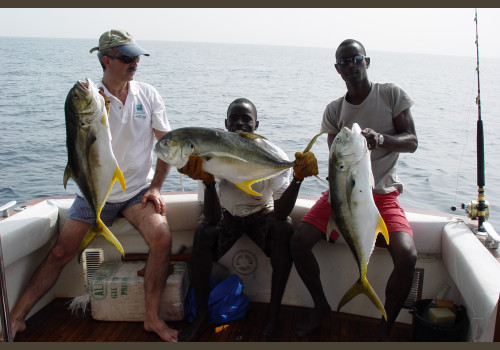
(354, 213)
(91, 162)
(236, 157)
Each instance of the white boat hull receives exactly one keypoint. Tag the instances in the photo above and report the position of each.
(448, 252)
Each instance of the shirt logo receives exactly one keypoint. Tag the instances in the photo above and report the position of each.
(139, 107)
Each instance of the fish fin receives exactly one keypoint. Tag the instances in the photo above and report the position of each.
(313, 140)
(349, 186)
(320, 179)
(382, 228)
(180, 180)
(245, 186)
(99, 228)
(251, 135)
(89, 236)
(331, 227)
(371, 179)
(106, 233)
(118, 176)
(89, 142)
(362, 286)
(210, 154)
(67, 175)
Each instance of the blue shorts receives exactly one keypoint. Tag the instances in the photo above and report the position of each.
(81, 211)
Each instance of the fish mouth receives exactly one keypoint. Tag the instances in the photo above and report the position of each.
(84, 85)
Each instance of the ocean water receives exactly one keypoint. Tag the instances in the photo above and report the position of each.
(290, 87)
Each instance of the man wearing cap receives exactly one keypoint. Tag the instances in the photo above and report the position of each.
(136, 116)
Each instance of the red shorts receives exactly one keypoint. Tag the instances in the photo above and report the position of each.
(387, 204)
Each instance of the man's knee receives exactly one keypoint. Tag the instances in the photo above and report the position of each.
(404, 252)
(304, 238)
(298, 240)
(411, 260)
(61, 253)
(282, 229)
(161, 238)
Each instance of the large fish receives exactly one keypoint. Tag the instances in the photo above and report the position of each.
(354, 213)
(236, 157)
(91, 162)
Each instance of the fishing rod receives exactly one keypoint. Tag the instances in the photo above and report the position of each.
(481, 203)
(480, 209)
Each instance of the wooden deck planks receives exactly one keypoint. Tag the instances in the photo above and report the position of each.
(55, 323)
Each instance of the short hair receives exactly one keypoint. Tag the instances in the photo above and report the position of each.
(242, 100)
(101, 54)
(348, 42)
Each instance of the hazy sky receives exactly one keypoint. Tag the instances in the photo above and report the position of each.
(439, 31)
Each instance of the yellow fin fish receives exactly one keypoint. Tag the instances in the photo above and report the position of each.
(91, 162)
(354, 213)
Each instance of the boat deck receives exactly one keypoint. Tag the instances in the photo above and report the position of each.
(55, 323)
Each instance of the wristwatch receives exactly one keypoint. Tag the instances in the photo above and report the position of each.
(380, 139)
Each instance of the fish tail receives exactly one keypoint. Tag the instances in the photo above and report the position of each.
(313, 140)
(245, 186)
(106, 233)
(362, 286)
(99, 228)
(382, 228)
(118, 176)
(89, 236)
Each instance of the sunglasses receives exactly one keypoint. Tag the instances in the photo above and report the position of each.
(357, 59)
(126, 59)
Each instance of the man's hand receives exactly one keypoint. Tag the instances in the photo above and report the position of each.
(194, 169)
(154, 196)
(371, 137)
(305, 165)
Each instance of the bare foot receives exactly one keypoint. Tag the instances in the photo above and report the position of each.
(312, 321)
(16, 326)
(165, 332)
(193, 331)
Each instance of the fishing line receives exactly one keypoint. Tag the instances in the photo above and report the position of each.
(466, 136)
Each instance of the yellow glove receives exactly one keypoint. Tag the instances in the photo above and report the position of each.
(305, 165)
(194, 169)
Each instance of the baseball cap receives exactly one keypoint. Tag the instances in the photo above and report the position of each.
(122, 41)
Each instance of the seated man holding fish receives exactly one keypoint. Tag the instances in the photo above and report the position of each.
(383, 114)
(136, 116)
(228, 212)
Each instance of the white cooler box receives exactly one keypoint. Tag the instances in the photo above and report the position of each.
(117, 292)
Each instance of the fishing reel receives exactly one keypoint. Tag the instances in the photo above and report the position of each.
(471, 209)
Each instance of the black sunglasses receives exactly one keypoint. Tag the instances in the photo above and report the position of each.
(355, 59)
(126, 59)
